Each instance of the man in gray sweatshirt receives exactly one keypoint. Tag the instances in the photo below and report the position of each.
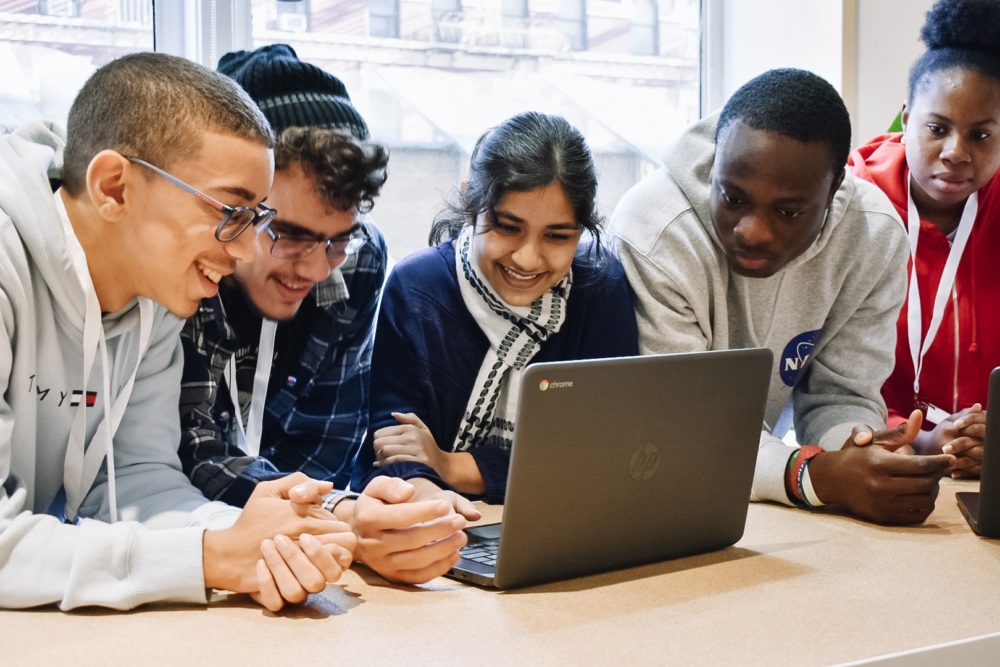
(753, 235)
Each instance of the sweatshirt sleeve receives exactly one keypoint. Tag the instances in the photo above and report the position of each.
(154, 553)
(842, 386)
(668, 321)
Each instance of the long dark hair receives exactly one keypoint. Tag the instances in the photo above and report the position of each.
(528, 151)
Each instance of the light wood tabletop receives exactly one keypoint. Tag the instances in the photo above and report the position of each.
(800, 588)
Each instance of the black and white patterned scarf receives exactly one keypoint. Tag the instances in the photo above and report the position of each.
(515, 334)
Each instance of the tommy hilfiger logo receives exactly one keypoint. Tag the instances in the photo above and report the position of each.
(76, 397)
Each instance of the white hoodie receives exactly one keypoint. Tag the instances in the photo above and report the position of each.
(828, 316)
(154, 551)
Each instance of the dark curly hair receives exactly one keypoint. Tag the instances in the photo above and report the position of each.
(528, 151)
(962, 34)
(796, 104)
(349, 173)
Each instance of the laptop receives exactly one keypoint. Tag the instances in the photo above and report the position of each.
(620, 462)
(982, 508)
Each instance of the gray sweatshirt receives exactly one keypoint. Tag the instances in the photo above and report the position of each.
(154, 552)
(829, 316)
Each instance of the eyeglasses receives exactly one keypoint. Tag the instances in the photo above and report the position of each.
(235, 220)
(296, 247)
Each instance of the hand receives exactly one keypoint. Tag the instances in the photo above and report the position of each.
(411, 440)
(933, 441)
(289, 572)
(884, 483)
(409, 532)
(899, 439)
(286, 508)
(968, 433)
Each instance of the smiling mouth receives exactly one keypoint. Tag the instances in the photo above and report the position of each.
(294, 287)
(211, 274)
(521, 277)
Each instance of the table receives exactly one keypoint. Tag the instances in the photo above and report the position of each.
(800, 588)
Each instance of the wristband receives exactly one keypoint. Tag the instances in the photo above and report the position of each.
(332, 499)
(806, 452)
(791, 485)
(808, 493)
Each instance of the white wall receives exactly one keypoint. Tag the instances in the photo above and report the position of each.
(764, 34)
(863, 47)
(883, 60)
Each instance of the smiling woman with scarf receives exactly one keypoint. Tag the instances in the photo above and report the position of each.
(521, 278)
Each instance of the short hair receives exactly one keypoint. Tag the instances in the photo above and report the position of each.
(349, 173)
(528, 151)
(154, 106)
(796, 104)
(963, 34)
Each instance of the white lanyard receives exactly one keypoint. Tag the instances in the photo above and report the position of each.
(249, 439)
(918, 347)
(83, 462)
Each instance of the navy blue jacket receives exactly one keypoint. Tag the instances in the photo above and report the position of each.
(428, 351)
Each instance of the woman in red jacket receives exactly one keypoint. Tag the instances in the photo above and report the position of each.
(941, 173)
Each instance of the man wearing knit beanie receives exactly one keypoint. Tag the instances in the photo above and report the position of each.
(288, 339)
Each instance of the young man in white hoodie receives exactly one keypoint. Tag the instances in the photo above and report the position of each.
(753, 236)
(104, 239)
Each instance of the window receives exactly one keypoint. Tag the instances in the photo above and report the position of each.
(292, 15)
(450, 69)
(48, 48)
(429, 76)
(448, 19)
(645, 29)
(573, 23)
(383, 17)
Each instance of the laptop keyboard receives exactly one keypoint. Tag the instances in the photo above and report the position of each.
(484, 552)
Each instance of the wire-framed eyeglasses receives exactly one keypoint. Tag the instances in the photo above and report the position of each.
(294, 246)
(235, 219)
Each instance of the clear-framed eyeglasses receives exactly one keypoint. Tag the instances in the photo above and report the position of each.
(235, 219)
(295, 246)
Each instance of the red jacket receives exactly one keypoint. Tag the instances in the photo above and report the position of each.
(956, 368)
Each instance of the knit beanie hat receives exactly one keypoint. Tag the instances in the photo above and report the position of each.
(292, 93)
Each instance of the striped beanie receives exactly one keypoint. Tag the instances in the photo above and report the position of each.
(292, 93)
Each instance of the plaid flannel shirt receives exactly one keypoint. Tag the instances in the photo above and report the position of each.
(315, 418)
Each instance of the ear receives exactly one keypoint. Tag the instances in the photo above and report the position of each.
(904, 116)
(109, 176)
(464, 186)
(838, 180)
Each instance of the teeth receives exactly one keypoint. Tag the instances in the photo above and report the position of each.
(214, 276)
(519, 276)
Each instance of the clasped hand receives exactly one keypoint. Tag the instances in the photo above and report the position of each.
(960, 435)
(283, 547)
(877, 476)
